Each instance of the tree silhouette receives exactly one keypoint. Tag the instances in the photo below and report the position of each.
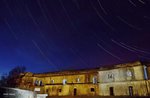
(11, 79)
(3, 80)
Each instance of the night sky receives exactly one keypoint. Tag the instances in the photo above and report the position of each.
(56, 35)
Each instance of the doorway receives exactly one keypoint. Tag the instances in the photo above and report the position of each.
(75, 92)
(130, 90)
(111, 89)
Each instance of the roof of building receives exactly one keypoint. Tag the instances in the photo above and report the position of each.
(86, 71)
(69, 72)
(130, 64)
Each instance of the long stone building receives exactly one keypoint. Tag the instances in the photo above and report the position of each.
(129, 79)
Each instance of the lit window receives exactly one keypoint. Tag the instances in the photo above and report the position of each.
(129, 73)
(64, 81)
(36, 82)
(78, 80)
(52, 81)
(40, 82)
(94, 80)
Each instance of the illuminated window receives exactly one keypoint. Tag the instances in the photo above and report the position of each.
(94, 80)
(40, 82)
(64, 81)
(78, 80)
(52, 81)
(145, 72)
(129, 73)
(36, 82)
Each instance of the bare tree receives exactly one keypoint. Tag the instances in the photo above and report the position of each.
(11, 79)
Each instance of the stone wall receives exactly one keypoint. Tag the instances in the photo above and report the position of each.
(139, 88)
(121, 74)
(119, 80)
(69, 90)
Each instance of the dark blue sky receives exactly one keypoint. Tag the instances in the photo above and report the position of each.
(55, 35)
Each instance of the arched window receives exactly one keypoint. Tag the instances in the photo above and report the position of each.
(94, 80)
(52, 81)
(36, 82)
(110, 76)
(145, 72)
(78, 80)
(64, 81)
(40, 83)
(129, 73)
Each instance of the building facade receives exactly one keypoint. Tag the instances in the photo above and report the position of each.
(127, 79)
(68, 83)
(130, 79)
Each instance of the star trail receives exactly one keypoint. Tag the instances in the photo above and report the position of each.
(56, 35)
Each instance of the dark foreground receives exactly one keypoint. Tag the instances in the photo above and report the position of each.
(100, 97)
(15, 93)
(18, 93)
